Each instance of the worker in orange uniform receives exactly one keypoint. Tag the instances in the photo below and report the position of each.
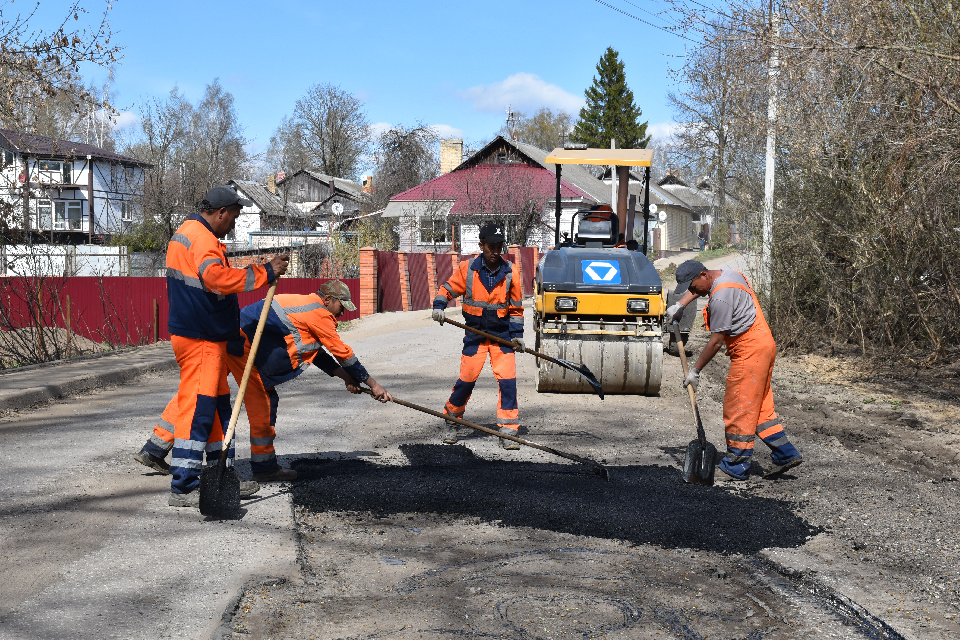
(734, 318)
(492, 302)
(297, 330)
(204, 315)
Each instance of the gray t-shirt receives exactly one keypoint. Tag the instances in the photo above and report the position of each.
(731, 309)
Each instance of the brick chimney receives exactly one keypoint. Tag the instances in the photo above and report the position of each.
(368, 184)
(451, 154)
(272, 184)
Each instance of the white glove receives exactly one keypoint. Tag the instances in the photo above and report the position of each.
(692, 379)
(674, 312)
(519, 345)
(438, 315)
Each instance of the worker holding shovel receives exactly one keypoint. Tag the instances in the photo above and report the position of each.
(492, 302)
(202, 290)
(300, 330)
(734, 318)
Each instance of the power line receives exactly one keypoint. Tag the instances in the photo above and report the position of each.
(646, 22)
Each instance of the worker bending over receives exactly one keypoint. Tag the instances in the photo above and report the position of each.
(298, 330)
(733, 317)
(492, 302)
(202, 291)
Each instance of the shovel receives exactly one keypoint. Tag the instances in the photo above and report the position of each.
(220, 486)
(699, 464)
(572, 366)
(598, 468)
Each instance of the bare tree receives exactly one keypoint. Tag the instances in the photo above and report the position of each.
(334, 130)
(287, 151)
(544, 129)
(405, 157)
(40, 68)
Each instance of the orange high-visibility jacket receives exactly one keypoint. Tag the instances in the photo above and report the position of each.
(498, 311)
(202, 286)
(297, 330)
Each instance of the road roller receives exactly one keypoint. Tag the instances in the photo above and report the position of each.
(598, 302)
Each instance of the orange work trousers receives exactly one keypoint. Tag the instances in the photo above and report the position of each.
(504, 364)
(261, 405)
(203, 409)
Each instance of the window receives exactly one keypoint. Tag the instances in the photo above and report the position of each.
(60, 215)
(53, 171)
(433, 230)
(7, 158)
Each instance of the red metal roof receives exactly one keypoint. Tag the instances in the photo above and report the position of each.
(482, 184)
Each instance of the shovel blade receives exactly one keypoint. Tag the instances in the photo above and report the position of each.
(586, 373)
(699, 464)
(219, 492)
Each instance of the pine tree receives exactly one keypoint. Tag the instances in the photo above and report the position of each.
(610, 111)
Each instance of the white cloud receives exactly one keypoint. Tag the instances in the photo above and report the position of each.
(662, 131)
(379, 127)
(525, 92)
(446, 131)
(126, 119)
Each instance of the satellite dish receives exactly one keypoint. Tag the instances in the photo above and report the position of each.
(653, 208)
(663, 216)
(337, 208)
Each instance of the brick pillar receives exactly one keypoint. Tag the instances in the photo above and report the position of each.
(455, 261)
(514, 251)
(432, 276)
(368, 281)
(404, 280)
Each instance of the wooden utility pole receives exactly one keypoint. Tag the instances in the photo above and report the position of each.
(766, 247)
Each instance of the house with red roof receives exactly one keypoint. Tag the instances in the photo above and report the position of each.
(506, 181)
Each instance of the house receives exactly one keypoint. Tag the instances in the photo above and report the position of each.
(66, 192)
(702, 200)
(268, 222)
(323, 199)
(502, 180)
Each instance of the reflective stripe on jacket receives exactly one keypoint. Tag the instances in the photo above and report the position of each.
(498, 311)
(297, 330)
(202, 286)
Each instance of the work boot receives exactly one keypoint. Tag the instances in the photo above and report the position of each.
(248, 489)
(191, 499)
(780, 468)
(147, 459)
(448, 433)
(277, 475)
(509, 445)
(722, 477)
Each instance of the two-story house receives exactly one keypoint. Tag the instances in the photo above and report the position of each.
(67, 192)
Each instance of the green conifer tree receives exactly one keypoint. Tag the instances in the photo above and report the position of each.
(610, 111)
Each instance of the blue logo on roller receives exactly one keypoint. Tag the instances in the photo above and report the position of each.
(601, 271)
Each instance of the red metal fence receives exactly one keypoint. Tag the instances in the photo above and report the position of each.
(120, 310)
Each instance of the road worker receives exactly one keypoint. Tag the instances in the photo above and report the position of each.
(734, 318)
(297, 330)
(204, 315)
(492, 302)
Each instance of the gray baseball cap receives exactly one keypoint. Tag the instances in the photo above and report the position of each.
(686, 272)
(338, 290)
(220, 197)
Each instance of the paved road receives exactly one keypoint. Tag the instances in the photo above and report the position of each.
(89, 548)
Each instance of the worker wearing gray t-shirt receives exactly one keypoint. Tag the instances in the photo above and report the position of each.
(734, 318)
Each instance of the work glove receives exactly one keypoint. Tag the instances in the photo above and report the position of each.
(692, 379)
(438, 315)
(518, 345)
(674, 312)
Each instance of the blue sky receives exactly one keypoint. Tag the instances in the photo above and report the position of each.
(456, 65)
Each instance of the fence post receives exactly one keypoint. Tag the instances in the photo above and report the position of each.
(432, 275)
(404, 281)
(41, 346)
(368, 281)
(156, 320)
(69, 329)
(514, 250)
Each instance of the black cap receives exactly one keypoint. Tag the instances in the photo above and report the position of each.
(686, 272)
(491, 232)
(219, 197)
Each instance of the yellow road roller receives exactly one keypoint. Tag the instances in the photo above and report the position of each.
(598, 302)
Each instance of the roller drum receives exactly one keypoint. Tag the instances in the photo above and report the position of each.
(623, 364)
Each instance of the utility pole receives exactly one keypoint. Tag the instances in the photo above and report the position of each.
(766, 247)
(613, 181)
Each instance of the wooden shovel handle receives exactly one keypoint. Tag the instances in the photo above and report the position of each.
(261, 323)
